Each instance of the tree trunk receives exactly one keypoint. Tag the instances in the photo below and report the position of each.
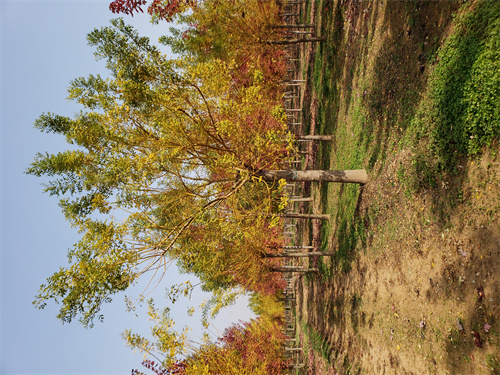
(357, 176)
(291, 26)
(293, 269)
(308, 199)
(299, 255)
(296, 41)
(315, 138)
(304, 216)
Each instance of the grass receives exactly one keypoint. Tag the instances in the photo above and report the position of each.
(421, 101)
(493, 363)
(461, 111)
(458, 116)
(316, 341)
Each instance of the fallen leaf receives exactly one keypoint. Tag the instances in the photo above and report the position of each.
(480, 294)
(487, 328)
(477, 339)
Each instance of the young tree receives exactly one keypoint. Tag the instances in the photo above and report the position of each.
(250, 348)
(235, 30)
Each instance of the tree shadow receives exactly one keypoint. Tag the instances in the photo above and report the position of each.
(413, 32)
(461, 279)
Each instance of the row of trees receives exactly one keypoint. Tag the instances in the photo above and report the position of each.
(254, 347)
(178, 160)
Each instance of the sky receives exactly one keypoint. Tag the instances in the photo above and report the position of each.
(43, 48)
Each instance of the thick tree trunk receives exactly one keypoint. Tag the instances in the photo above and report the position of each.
(357, 176)
(308, 199)
(315, 138)
(299, 255)
(296, 366)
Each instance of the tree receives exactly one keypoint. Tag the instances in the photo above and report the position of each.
(168, 344)
(298, 255)
(237, 31)
(183, 164)
(246, 348)
(165, 10)
(295, 41)
(357, 176)
(168, 143)
(221, 28)
(253, 347)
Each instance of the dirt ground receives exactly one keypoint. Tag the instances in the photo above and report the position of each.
(412, 299)
(422, 294)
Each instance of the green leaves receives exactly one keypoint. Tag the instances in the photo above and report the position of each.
(128, 55)
(482, 114)
(51, 123)
(462, 111)
(100, 266)
(94, 92)
(168, 343)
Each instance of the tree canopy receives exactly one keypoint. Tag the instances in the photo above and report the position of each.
(165, 152)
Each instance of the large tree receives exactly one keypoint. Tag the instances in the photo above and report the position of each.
(165, 152)
(168, 143)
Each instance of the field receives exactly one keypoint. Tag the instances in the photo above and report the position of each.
(410, 90)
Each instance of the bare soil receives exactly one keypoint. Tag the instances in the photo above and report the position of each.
(421, 294)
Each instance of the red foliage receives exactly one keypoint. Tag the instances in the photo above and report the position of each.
(127, 6)
(167, 11)
(269, 60)
(248, 346)
(265, 282)
(178, 368)
(163, 10)
(269, 282)
(255, 344)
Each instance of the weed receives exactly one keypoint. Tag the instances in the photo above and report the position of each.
(325, 270)
(316, 341)
(493, 364)
(381, 108)
(423, 173)
(462, 111)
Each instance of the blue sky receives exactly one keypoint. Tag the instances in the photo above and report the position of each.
(43, 48)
